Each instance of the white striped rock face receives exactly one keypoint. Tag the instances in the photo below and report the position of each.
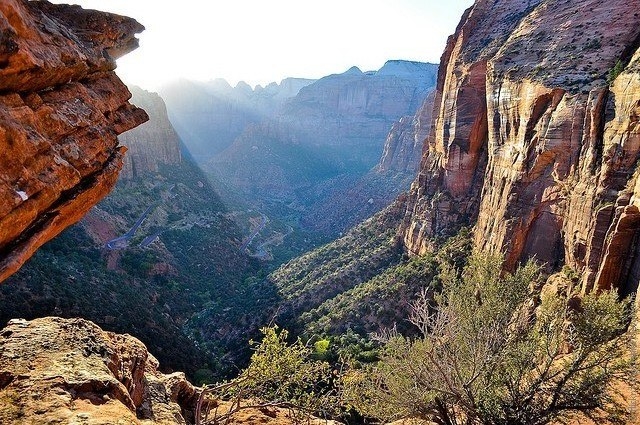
(531, 144)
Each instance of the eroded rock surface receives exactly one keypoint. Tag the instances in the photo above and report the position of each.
(534, 142)
(153, 143)
(403, 147)
(61, 109)
(55, 370)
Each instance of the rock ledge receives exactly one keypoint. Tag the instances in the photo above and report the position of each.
(55, 370)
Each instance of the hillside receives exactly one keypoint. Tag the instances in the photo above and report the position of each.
(152, 144)
(533, 148)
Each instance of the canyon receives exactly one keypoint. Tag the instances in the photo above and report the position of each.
(296, 150)
(531, 145)
(160, 249)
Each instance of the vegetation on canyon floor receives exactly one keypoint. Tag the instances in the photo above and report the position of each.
(492, 348)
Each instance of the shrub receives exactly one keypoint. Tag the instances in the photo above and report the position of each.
(279, 375)
(615, 71)
(488, 357)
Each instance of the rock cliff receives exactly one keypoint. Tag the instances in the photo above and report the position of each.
(55, 370)
(536, 137)
(152, 143)
(350, 113)
(403, 148)
(61, 109)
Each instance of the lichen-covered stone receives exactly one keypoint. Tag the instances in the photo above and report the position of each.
(55, 370)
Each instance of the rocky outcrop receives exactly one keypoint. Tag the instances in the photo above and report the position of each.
(403, 148)
(152, 143)
(61, 109)
(535, 138)
(55, 370)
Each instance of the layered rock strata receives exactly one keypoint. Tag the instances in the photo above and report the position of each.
(403, 147)
(61, 109)
(153, 143)
(536, 136)
(55, 370)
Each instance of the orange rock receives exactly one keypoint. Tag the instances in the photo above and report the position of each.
(530, 143)
(61, 109)
(55, 370)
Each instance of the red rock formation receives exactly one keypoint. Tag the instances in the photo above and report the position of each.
(55, 370)
(152, 143)
(61, 109)
(403, 148)
(531, 144)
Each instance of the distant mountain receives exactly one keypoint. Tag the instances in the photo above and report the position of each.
(403, 148)
(210, 115)
(353, 111)
(314, 161)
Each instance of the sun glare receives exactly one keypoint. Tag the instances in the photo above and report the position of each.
(260, 42)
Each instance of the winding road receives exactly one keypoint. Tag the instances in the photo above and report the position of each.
(123, 241)
(264, 222)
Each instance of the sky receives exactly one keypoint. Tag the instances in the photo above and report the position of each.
(260, 41)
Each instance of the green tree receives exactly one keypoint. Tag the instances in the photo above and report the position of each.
(487, 356)
(615, 71)
(279, 375)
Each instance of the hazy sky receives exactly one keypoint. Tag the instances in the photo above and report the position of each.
(260, 41)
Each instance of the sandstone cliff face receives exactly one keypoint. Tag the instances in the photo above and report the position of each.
(152, 143)
(350, 114)
(403, 148)
(61, 109)
(531, 144)
(55, 370)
